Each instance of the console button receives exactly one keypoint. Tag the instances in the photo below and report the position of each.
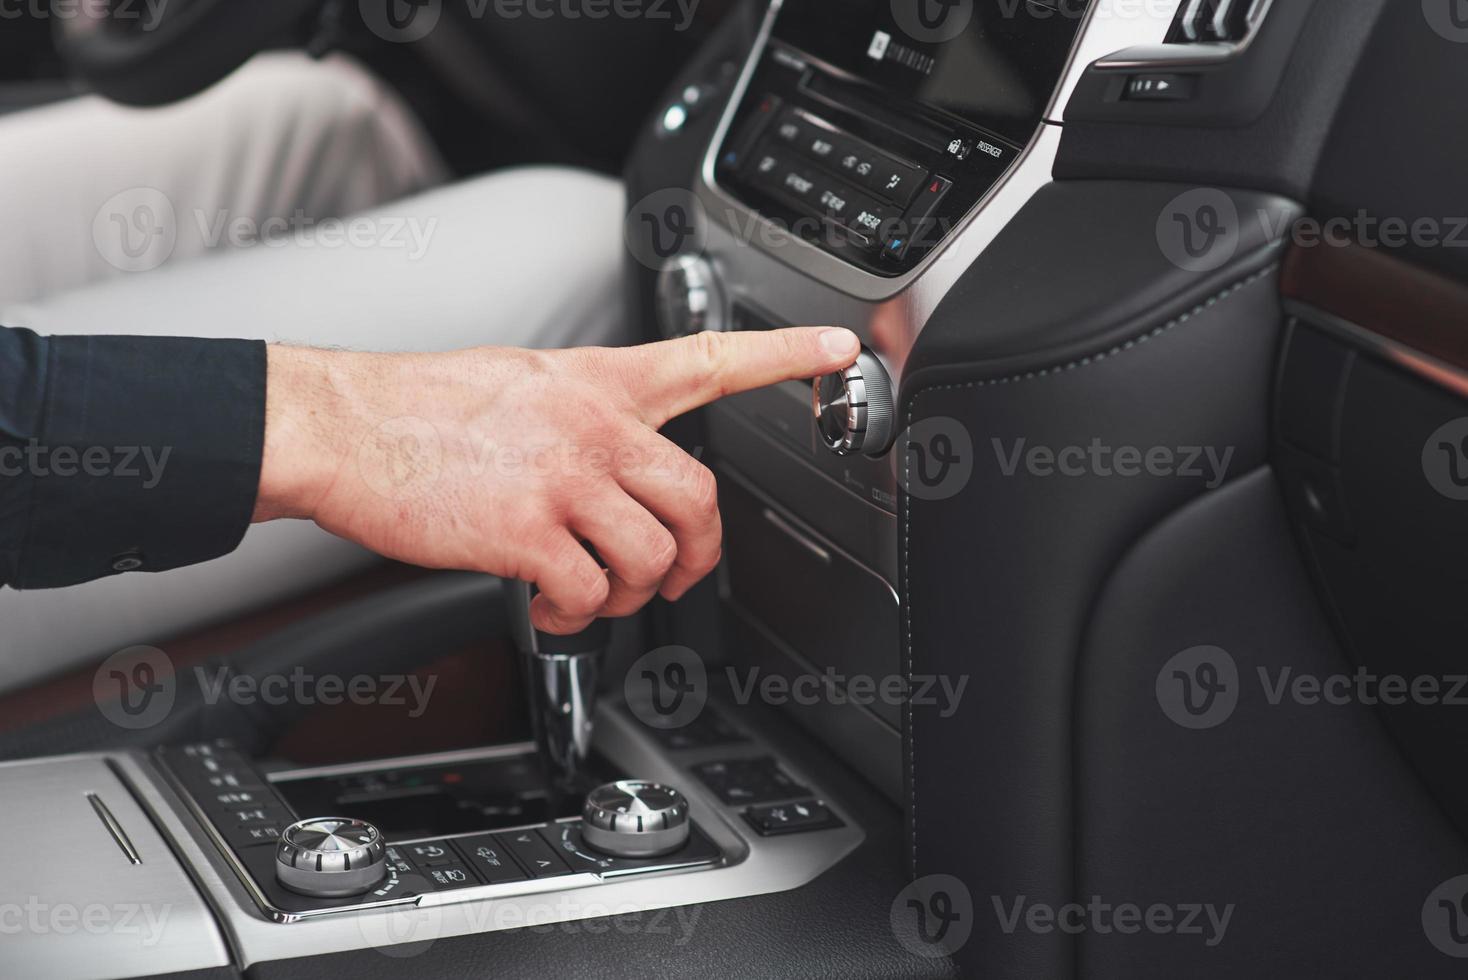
(856, 162)
(451, 876)
(822, 147)
(895, 181)
(919, 225)
(531, 850)
(252, 834)
(490, 858)
(230, 800)
(741, 781)
(397, 863)
(430, 853)
(791, 818)
(790, 129)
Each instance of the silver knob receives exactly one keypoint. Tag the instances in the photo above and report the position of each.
(330, 857)
(631, 818)
(855, 410)
(690, 299)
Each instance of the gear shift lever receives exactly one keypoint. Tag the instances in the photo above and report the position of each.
(561, 674)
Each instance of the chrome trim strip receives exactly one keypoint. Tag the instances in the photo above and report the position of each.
(114, 828)
(407, 761)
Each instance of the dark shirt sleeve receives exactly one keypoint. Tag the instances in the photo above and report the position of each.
(124, 454)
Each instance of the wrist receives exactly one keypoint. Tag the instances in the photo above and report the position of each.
(307, 426)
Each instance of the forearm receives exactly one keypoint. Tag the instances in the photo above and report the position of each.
(124, 453)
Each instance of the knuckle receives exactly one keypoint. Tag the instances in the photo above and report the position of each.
(703, 492)
(710, 360)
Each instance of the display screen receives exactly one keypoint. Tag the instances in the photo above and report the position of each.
(993, 63)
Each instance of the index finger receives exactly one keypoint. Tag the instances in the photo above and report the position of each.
(677, 376)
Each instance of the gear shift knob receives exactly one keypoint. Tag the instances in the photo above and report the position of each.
(561, 674)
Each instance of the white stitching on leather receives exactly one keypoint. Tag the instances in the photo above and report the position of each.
(1201, 308)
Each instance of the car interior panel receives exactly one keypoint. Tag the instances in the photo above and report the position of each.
(1101, 621)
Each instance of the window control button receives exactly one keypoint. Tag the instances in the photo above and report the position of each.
(490, 858)
(791, 818)
(531, 850)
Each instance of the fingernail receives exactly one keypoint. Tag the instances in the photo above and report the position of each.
(840, 343)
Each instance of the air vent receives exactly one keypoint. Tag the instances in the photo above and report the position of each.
(1217, 21)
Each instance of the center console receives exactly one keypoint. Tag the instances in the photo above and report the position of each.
(868, 153)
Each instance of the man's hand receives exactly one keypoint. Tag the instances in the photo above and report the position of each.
(504, 461)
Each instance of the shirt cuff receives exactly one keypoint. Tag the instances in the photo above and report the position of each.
(148, 457)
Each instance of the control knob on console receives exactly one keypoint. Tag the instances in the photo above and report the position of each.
(690, 299)
(855, 410)
(635, 819)
(330, 857)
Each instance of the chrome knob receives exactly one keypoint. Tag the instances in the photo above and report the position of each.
(855, 410)
(631, 818)
(690, 299)
(330, 857)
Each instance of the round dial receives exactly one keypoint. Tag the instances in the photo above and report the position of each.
(330, 857)
(854, 409)
(689, 297)
(631, 818)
